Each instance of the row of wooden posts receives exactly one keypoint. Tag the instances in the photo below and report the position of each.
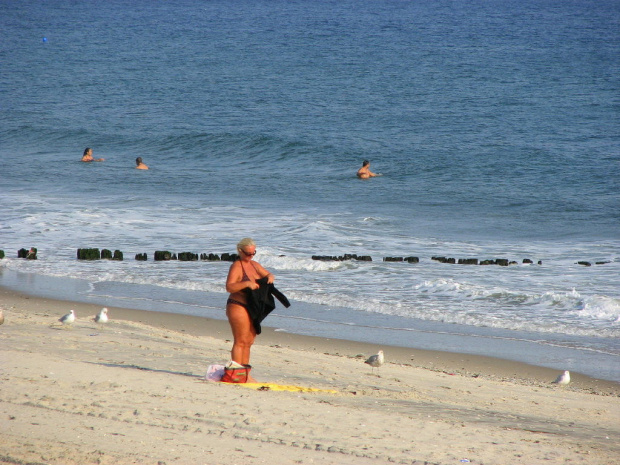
(165, 255)
(159, 255)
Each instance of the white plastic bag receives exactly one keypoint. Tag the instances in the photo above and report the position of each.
(214, 373)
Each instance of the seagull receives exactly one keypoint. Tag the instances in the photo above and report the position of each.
(102, 316)
(375, 360)
(564, 378)
(68, 319)
(1, 316)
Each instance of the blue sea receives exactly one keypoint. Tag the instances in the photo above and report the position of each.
(495, 126)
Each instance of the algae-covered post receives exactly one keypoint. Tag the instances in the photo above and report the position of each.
(29, 254)
(161, 255)
(88, 254)
(188, 257)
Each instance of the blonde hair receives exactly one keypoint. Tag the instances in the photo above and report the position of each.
(245, 242)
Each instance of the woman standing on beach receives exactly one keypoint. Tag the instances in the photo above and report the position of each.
(243, 274)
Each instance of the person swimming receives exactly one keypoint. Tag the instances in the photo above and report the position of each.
(88, 155)
(140, 165)
(364, 172)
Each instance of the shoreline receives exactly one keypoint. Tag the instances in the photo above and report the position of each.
(133, 391)
(441, 361)
(594, 357)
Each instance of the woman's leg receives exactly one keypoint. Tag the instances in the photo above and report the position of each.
(243, 333)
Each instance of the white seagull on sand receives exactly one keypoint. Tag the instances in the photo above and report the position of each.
(564, 378)
(68, 319)
(102, 316)
(375, 361)
(1, 316)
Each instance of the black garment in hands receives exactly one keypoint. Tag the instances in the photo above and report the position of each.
(261, 302)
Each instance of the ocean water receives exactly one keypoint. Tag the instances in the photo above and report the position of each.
(494, 124)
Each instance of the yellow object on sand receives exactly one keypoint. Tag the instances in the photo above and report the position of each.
(282, 387)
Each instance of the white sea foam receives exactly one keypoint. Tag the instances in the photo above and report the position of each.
(600, 308)
(381, 288)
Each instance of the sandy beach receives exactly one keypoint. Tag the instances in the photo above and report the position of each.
(132, 391)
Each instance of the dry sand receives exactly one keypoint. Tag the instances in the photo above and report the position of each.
(133, 393)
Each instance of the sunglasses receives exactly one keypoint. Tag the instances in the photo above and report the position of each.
(249, 254)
